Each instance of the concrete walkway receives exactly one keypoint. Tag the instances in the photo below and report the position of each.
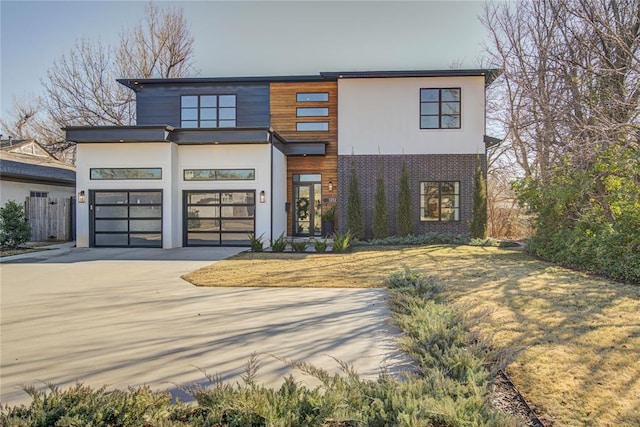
(124, 317)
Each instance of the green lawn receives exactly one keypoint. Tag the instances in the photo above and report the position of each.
(571, 342)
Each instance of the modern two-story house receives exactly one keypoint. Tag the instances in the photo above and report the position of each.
(214, 159)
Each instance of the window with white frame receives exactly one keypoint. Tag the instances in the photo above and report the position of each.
(440, 201)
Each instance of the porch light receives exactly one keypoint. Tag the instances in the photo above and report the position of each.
(330, 185)
(81, 197)
(262, 196)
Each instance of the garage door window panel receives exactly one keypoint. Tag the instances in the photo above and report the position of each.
(127, 218)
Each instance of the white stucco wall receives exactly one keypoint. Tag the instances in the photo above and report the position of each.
(241, 156)
(279, 193)
(124, 155)
(382, 116)
(18, 191)
(173, 159)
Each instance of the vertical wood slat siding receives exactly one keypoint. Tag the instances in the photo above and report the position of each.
(283, 106)
(49, 218)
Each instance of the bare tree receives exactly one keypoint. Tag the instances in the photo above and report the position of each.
(160, 46)
(572, 82)
(81, 88)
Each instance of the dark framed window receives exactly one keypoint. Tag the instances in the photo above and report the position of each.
(440, 201)
(312, 96)
(38, 194)
(440, 108)
(124, 173)
(312, 111)
(312, 126)
(219, 174)
(207, 111)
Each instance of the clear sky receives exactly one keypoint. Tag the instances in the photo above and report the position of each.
(244, 38)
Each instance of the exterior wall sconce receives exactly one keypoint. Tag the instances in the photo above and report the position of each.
(81, 198)
(330, 185)
(262, 197)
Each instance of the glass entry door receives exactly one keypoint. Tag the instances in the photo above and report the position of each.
(307, 197)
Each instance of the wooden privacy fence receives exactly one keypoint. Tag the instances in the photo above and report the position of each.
(50, 218)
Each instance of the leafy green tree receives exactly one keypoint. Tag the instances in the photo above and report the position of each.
(380, 214)
(14, 229)
(355, 215)
(405, 217)
(478, 225)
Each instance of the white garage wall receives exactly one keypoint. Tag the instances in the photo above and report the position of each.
(240, 156)
(173, 159)
(279, 193)
(124, 155)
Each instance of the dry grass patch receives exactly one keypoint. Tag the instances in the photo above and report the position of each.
(571, 341)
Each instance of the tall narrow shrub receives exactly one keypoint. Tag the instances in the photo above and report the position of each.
(380, 214)
(478, 225)
(14, 228)
(405, 217)
(355, 216)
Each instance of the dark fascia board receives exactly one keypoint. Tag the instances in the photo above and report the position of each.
(89, 134)
(181, 136)
(221, 136)
(490, 74)
(136, 84)
(306, 149)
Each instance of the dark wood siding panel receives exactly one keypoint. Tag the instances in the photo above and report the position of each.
(283, 121)
(161, 105)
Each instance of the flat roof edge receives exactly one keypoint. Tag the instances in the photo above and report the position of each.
(489, 73)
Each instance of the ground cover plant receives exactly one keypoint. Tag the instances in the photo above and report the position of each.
(448, 388)
(570, 341)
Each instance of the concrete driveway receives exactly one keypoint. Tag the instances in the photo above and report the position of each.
(124, 317)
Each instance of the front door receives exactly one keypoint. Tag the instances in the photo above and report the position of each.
(307, 196)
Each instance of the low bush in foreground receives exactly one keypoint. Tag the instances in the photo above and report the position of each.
(448, 389)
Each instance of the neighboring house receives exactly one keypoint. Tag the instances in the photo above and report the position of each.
(29, 170)
(214, 159)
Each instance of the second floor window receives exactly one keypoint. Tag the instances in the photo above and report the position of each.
(440, 108)
(207, 111)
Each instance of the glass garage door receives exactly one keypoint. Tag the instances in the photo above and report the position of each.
(219, 218)
(126, 218)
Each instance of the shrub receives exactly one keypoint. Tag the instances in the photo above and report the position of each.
(405, 216)
(14, 228)
(299, 246)
(380, 214)
(432, 238)
(329, 214)
(256, 243)
(478, 225)
(320, 245)
(342, 242)
(279, 245)
(355, 215)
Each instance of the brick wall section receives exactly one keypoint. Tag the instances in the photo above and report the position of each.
(423, 167)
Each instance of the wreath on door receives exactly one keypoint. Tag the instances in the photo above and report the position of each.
(303, 208)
